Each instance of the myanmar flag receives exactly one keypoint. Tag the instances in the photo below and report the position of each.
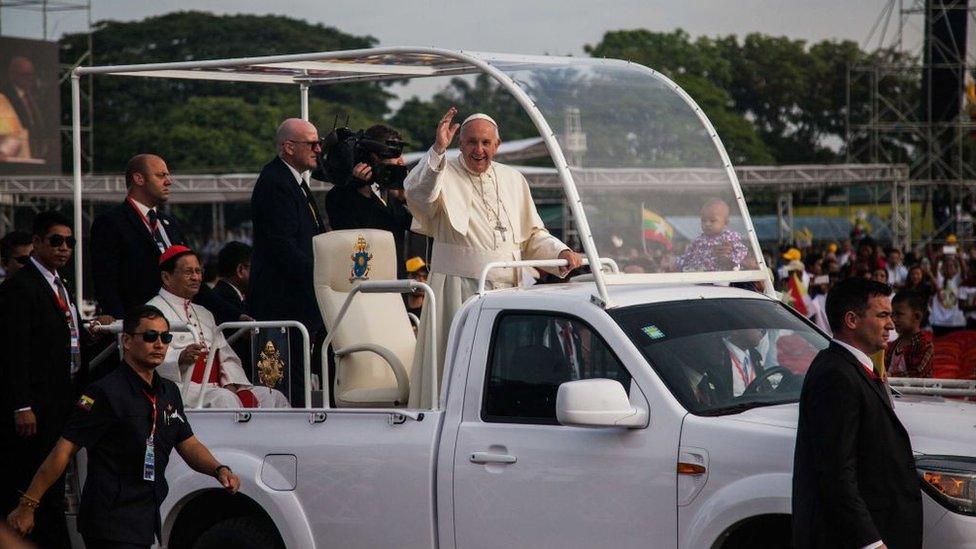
(656, 229)
(797, 294)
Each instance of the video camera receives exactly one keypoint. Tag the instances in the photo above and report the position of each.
(343, 149)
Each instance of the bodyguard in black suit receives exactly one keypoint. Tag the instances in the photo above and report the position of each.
(128, 239)
(42, 367)
(286, 218)
(854, 477)
(118, 419)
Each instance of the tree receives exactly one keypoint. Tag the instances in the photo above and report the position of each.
(172, 117)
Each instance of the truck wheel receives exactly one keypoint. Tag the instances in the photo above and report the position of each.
(252, 532)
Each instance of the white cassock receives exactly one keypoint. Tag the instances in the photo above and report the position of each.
(474, 219)
(229, 371)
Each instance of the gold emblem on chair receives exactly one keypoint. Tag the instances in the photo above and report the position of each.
(270, 366)
(360, 260)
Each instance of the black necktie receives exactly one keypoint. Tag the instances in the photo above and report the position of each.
(154, 229)
(312, 206)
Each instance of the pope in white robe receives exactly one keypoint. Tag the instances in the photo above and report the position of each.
(477, 211)
(188, 354)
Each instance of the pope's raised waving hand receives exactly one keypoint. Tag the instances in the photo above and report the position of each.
(446, 129)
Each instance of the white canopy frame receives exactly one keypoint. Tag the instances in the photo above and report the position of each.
(399, 63)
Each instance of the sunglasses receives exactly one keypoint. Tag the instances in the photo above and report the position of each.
(150, 336)
(56, 241)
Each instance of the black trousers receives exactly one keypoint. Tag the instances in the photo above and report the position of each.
(20, 457)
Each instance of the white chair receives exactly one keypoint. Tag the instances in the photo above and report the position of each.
(374, 342)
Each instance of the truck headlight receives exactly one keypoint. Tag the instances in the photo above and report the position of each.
(950, 480)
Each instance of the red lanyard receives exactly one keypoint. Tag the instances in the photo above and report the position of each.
(145, 220)
(152, 400)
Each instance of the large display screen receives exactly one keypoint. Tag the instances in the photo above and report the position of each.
(30, 107)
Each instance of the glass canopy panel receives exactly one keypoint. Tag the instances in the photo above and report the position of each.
(652, 181)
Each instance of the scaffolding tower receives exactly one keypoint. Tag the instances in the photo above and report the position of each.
(892, 112)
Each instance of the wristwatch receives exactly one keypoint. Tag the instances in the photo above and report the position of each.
(216, 472)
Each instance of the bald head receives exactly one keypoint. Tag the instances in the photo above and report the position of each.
(148, 180)
(298, 143)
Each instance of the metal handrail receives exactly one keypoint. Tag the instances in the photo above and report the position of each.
(482, 280)
(251, 324)
(933, 386)
(388, 286)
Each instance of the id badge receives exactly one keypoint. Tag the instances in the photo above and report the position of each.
(149, 463)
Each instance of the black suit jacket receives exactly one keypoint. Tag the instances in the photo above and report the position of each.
(281, 263)
(224, 290)
(36, 369)
(854, 478)
(125, 264)
(348, 209)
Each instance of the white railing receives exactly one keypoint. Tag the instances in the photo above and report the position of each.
(932, 386)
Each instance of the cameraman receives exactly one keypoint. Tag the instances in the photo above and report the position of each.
(372, 197)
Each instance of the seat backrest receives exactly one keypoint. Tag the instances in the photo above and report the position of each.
(342, 260)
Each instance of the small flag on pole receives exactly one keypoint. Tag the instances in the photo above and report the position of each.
(656, 229)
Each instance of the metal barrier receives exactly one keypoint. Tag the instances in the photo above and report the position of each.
(932, 386)
(604, 261)
(250, 325)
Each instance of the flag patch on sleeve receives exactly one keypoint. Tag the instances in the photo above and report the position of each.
(85, 402)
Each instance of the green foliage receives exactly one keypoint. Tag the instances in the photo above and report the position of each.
(418, 119)
(201, 124)
(771, 99)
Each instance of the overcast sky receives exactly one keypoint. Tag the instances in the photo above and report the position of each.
(512, 26)
(518, 26)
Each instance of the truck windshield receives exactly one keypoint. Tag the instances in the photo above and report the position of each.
(723, 356)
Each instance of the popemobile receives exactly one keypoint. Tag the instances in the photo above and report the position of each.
(601, 412)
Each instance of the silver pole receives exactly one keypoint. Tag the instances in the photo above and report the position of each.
(304, 92)
(76, 159)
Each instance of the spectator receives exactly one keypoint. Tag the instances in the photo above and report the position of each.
(946, 315)
(15, 250)
(42, 364)
(286, 218)
(417, 270)
(190, 352)
(897, 272)
(911, 354)
(920, 280)
(717, 248)
(127, 241)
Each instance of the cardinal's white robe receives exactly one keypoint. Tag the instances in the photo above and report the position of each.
(202, 328)
(474, 219)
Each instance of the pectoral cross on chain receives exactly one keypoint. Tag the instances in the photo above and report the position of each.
(500, 228)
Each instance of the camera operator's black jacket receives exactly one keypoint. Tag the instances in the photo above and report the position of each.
(348, 209)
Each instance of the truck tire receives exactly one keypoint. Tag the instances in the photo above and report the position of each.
(252, 532)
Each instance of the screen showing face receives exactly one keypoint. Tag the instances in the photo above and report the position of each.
(30, 110)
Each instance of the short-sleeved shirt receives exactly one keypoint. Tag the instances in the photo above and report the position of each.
(112, 420)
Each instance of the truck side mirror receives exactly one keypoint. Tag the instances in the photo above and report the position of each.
(597, 403)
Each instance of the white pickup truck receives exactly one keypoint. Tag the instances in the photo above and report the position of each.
(603, 412)
(614, 450)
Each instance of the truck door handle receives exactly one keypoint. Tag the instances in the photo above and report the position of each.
(488, 457)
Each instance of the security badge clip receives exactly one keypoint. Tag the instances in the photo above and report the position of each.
(149, 463)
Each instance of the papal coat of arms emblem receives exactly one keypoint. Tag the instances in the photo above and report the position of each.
(270, 366)
(360, 260)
